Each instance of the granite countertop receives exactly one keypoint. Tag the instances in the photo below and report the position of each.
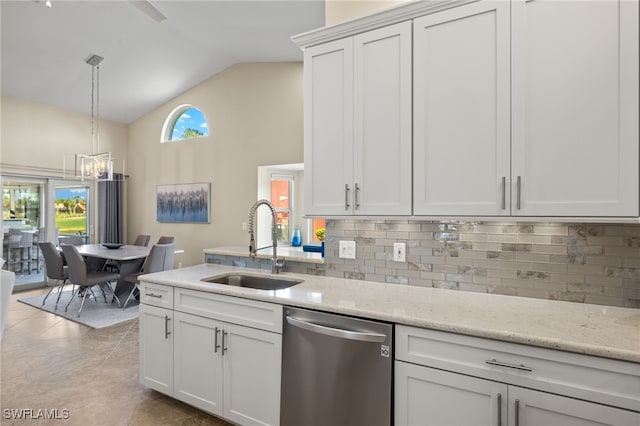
(294, 254)
(605, 331)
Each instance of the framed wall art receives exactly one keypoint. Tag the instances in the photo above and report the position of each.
(183, 203)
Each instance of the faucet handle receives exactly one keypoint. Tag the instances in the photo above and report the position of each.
(278, 266)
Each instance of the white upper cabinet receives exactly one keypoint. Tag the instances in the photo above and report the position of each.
(461, 152)
(328, 127)
(382, 121)
(575, 108)
(358, 124)
(521, 108)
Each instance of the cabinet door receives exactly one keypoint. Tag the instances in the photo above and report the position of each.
(252, 366)
(198, 362)
(461, 116)
(328, 128)
(382, 121)
(530, 408)
(575, 108)
(426, 396)
(156, 348)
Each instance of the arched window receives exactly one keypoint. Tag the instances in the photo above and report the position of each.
(184, 122)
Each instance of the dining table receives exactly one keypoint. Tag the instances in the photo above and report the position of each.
(128, 259)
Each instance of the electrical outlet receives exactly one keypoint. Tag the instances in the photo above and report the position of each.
(399, 252)
(347, 249)
(244, 226)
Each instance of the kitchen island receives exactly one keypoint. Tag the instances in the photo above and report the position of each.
(220, 347)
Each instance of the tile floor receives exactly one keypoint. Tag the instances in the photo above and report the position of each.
(47, 362)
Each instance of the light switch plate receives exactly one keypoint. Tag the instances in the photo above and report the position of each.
(347, 249)
(399, 252)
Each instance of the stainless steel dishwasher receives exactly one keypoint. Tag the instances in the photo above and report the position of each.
(336, 370)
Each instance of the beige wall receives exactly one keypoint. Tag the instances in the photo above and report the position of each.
(337, 11)
(254, 112)
(36, 136)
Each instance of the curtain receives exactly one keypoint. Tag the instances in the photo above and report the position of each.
(110, 213)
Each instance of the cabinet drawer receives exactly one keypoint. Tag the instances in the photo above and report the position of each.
(586, 377)
(252, 313)
(156, 294)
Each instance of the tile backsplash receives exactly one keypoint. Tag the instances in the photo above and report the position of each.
(577, 262)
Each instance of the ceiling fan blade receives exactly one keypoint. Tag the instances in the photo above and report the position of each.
(149, 9)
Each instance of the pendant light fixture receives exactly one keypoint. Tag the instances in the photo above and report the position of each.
(97, 165)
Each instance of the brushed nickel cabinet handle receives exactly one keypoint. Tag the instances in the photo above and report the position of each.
(508, 365)
(166, 326)
(157, 296)
(517, 412)
(504, 195)
(519, 191)
(346, 196)
(499, 409)
(216, 346)
(357, 197)
(224, 345)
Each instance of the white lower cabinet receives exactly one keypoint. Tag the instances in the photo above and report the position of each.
(426, 396)
(228, 370)
(193, 353)
(529, 407)
(449, 379)
(156, 348)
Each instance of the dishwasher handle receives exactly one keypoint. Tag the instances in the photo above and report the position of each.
(337, 332)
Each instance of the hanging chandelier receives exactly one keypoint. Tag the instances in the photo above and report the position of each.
(97, 165)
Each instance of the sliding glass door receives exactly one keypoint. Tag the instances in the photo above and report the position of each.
(23, 219)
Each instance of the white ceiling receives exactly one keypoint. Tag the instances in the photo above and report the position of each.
(146, 62)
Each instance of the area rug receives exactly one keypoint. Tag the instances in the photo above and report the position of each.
(95, 314)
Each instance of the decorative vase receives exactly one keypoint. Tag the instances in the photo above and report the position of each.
(296, 239)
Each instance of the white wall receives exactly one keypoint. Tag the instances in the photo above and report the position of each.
(36, 136)
(254, 112)
(337, 11)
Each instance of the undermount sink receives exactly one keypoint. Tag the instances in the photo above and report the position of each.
(259, 282)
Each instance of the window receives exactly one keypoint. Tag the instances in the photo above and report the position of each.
(281, 190)
(184, 122)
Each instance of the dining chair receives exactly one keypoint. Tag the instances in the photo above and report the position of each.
(84, 279)
(75, 240)
(37, 255)
(165, 240)
(19, 247)
(160, 259)
(142, 240)
(55, 268)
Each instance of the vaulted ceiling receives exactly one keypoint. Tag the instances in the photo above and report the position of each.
(148, 59)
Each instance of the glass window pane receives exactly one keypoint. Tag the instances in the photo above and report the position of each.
(318, 224)
(282, 225)
(280, 193)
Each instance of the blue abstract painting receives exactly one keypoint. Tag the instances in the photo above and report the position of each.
(187, 203)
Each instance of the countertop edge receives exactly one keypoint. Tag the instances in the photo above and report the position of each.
(232, 251)
(593, 349)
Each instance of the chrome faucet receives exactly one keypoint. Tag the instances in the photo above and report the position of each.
(276, 264)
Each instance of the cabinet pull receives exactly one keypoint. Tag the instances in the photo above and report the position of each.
(224, 345)
(357, 197)
(216, 346)
(518, 191)
(157, 296)
(166, 326)
(504, 195)
(499, 409)
(517, 412)
(346, 196)
(506, 364)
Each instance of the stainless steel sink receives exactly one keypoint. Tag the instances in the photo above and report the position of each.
(259, 282)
